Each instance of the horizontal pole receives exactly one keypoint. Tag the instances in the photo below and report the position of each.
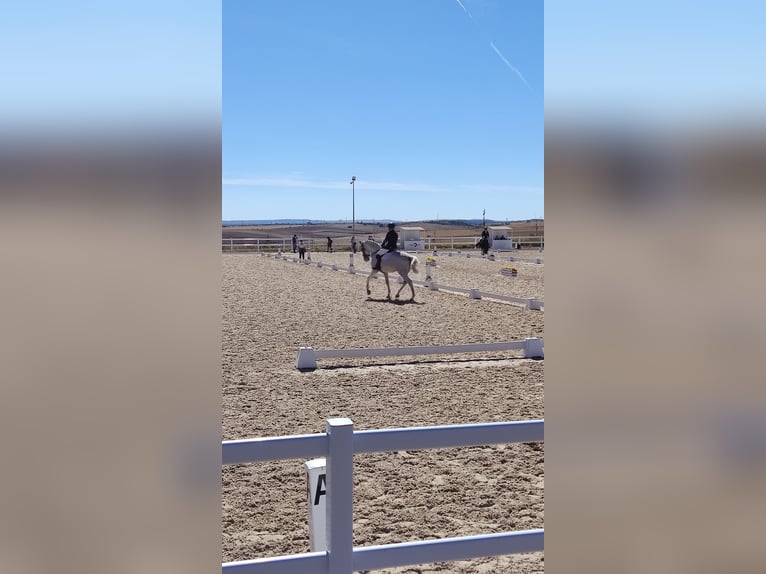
(448, 436)
(449, 549)
(308, 563)
(273, 448)
(425, 350)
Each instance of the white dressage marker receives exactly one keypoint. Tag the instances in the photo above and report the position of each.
(307, 356)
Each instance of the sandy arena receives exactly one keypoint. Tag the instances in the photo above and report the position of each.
(271, 307)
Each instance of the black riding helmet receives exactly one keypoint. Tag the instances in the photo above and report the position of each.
(391, 226)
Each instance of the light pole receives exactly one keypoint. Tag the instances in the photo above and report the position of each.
(353, 216)
(353, 224)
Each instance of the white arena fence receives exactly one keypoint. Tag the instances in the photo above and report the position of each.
(344, 244)
(307, 356)
(338, 445)
(529, 303)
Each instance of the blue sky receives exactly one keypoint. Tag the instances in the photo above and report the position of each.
(647, 62)
(90, 64)
(436, 106)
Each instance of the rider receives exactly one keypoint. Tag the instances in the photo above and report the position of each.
(389, 244)
(484, 241)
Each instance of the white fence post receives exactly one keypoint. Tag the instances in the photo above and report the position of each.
(340, 495)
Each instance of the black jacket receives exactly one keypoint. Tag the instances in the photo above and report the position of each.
(392, 238)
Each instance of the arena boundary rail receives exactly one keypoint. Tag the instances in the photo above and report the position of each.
(307, 356)
(338, 445)
(232, 244)
(529, 303)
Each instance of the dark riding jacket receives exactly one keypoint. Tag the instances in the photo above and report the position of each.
(392, 238)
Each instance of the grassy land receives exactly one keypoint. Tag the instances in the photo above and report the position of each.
(341, 233)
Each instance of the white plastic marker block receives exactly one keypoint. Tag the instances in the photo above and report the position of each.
(316, 489)
(436, 252)
(538, 261)
(308, 255)
(334, 268)
(319, 264)
(449, 254)
(533, 348)
(474, 294)
(306, 360)
(533, 305)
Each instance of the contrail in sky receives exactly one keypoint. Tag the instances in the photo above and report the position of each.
(511, 66)
(464, 8)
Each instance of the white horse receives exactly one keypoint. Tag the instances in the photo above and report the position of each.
(398, 261)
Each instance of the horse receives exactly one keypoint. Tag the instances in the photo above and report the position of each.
(398, 261)
(484, 245)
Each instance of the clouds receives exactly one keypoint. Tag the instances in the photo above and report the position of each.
(285, 183)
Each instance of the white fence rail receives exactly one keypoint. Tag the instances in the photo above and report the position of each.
(344, 244)
(307, 356)
(338, 445)
(529, 303)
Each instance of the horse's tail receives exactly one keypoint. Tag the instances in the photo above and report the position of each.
(414, 264)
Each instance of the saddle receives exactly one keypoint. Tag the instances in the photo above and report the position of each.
(379, 259)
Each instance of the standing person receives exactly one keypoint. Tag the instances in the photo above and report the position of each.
(329, 244)
(353, 243)
(295, 242)
(301, 250)
(389, 244)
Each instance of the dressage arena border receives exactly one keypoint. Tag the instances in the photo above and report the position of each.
(338, 444)
(307, 356)
(493, 257)
(530, 303)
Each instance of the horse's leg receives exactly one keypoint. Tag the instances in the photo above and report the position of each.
(406, 280)
(370, 276)
(388, 287)
(411, 287)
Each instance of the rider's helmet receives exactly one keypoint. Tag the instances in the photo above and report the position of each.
(391, 225)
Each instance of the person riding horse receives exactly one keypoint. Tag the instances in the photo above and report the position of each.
(483, 243)
(389, 244)
(399, 262)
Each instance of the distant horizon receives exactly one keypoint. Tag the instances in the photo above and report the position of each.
(304, 221)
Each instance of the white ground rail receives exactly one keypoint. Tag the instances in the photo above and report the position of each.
(307, 356)
(338, 445)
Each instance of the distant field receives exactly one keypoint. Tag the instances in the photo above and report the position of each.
(342, 232)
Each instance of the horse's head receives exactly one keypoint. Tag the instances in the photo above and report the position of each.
(366, 250)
